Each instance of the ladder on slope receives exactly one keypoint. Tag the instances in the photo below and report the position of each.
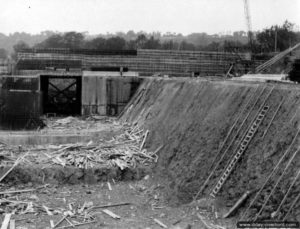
(244, 144)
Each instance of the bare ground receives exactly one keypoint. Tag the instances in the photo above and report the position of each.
(146, 198)
(190, 120)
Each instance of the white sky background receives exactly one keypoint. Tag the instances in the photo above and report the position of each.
(180, 16)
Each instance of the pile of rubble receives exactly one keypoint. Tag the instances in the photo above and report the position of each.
(23, 201)
(125, 150)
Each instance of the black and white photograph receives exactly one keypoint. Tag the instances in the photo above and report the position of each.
(149, 114)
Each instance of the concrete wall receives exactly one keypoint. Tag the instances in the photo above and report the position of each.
(107, 93)
(20, 102)
(20, 109)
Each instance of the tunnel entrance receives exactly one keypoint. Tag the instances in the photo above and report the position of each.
(61, 94)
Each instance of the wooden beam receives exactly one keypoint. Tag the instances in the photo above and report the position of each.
(237, 204)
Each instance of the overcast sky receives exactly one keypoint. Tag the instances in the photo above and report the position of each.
(180, 16)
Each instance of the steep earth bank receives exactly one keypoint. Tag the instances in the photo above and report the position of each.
(195, 121)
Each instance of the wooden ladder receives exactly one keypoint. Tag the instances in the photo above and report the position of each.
(244, 144)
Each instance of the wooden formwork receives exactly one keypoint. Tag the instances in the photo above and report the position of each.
(150, 62)
(93, 100)
(106, 95)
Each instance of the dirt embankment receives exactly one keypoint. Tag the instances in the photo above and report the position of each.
(197, 120)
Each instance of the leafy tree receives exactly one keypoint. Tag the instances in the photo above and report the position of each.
(198, 39)
(54, 41)
(130, 35)
(213, 46)
(18, 47)
(3, 53)
(73, 40)
(131, 44)
(141, 41)
(186, 46)
(169, 45)
(70, 40)
(115, 43)
(97, 43)
(234, 46)
(286, 37)
(152, 43)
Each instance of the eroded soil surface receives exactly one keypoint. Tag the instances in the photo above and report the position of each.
(147, 204)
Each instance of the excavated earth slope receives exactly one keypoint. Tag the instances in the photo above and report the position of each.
(200, 125)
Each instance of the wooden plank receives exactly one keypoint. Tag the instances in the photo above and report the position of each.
(12, 224)
(6, 220)
(84, 95)
(111, 214)
(237, 205)
(160, 223)
(93, 90)
(101, 96)
(126, 85)
(110, 205)
(14, 165)
(89, 87)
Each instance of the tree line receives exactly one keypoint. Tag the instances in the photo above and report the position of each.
(274, 39)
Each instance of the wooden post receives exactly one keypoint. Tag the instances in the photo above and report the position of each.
(237, 204)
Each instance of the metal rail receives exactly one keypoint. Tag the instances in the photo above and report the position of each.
(225, 152)
(244, 144)
(275, 58)
(294, 116)
(270, 175)
(223, 144)
(245, 139)
(278, 108)
(233, 126)
(291, 207)
(278, 181)
(288, 192)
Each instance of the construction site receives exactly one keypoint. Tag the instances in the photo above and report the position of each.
(149, 138)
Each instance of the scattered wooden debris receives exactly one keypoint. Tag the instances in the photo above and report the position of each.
(12, 224)
(17, 191)
(111, 214)
(124, 151)
(237, 204)
(208, 224)
(160, 223)
(77, 224)
(60, 221)
(15, 164)
(144, 139)
(109, 205)
(109, 186)
(52, 223)
(47, 210)
(70, 222)
(6, 220)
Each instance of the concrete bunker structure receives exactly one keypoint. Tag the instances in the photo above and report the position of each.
(24, 98)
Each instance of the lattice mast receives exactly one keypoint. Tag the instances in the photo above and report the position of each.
(248, 22)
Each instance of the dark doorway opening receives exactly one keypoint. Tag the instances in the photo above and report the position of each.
(61, 94)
